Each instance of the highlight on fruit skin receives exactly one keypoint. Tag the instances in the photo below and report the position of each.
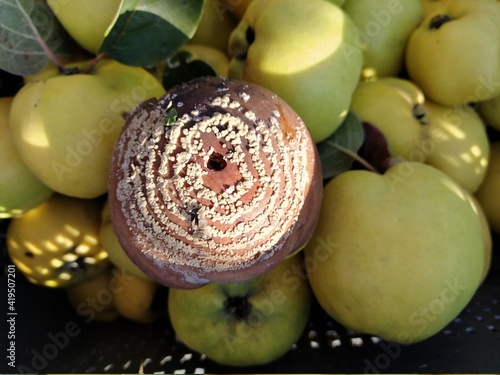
(218, 181)
(20, 189)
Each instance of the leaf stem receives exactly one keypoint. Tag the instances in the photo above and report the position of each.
(356, 157)
(50, 54)
(43, 44)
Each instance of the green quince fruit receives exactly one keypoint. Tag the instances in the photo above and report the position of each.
(487, 194)
(396, 107)
(429, 6)
(215, 27)
(489, 110)
(454, 54)
(397, 255)
(460, 144)
(134, 299)
(20, 189)
(117, 256)
(56, 243)
(65, 126)
(384, 27)
(213, 57)
(87, 21)
(246, 323)
(305, 52)
(93, 299)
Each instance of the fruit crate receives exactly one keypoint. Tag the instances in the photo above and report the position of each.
(51, 338)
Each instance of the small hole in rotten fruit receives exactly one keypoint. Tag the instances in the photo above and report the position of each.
(29, 254)
(238, 307)
(216, 162)
(438, 21)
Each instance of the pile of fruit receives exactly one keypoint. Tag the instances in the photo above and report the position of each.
(401, 98)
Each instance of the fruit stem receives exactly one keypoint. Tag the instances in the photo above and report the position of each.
(356, 157)
(93, 63)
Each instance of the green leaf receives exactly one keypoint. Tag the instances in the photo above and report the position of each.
(26, 27)
(149, 31)
(334, 151)
(171, 117)
(181, 68)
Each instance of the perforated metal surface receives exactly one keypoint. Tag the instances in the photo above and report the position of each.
(470, 344)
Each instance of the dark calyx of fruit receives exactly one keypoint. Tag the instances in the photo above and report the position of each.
(77, 266)
(249, 39)
(438, 21)
(420, 114)
(238, 307)
(250, 35)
